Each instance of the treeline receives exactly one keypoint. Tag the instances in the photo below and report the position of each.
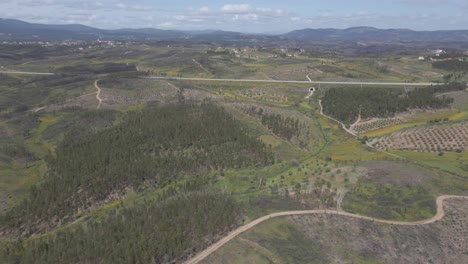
(451, 65)
(284, 127)
(346, 104)
(153, 147)
(149, 232)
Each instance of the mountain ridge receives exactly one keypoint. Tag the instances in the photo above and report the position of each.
(18, 30)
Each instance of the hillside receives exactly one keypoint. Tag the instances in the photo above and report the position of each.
(340, 239)
(99, 164)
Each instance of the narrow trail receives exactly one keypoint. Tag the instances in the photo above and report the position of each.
(351, 127)
(173, 86)
(312, 90)
(439, 215)
(98, 94)
(336, 120)
(339, 200)
(201, 66)
(355, 135)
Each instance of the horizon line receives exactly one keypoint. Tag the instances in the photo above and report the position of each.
(234, 31)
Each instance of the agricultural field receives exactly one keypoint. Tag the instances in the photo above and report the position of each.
(374, 124)
(206, 61)
(452, 137)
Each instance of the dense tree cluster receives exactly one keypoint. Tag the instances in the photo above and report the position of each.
(149, 232)
(451, 65)
(284, 127)
(154, 147)
(346, 104)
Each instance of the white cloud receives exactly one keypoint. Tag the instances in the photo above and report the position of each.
(134, 7)
(248, 9)
(204, 10)
(236, 9)
(188, 19)
(245, 17)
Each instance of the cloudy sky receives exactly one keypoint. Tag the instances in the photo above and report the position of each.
(268, 16)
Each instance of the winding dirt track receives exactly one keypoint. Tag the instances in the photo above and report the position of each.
(354, 134)
(439, 215)
(98, 94)
(339, 122)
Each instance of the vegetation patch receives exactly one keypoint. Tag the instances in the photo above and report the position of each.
(148, 232)
(399, 190)
(152, 147)
(451, 65)
(347, 104)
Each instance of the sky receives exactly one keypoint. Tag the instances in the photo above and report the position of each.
(259, 16)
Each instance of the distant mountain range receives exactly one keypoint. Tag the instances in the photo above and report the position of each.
(374, 34)
(16, 30)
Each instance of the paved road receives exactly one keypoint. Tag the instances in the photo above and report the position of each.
(247, 80)
(28, 73)
(439, 215)
(285, 81)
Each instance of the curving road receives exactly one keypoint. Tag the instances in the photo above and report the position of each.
(439, 215)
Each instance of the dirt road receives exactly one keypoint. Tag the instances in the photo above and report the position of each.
(439, 215)
(354, 134)
(201, 66)
(339, 122)
(312, 90)
(98, 94)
